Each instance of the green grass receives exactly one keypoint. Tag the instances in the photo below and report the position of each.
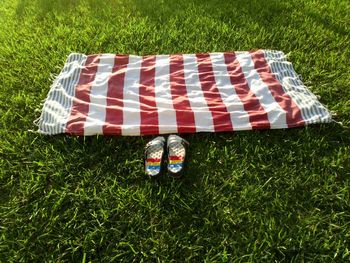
(260, 196)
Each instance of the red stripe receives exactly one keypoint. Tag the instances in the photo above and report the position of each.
(257, 115)
(148, 106)
(221, 117)
(175, 158)
(114, 103)
(184, 114)
(153, 160)
(81, 100)
(293, 113)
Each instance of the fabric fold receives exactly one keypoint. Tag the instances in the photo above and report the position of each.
(113, 94)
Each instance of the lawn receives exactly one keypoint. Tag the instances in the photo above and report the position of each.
(255, 196)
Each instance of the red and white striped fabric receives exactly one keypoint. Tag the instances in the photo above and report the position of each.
(183, 93)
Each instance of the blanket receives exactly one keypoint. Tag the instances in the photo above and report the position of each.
(114, 94)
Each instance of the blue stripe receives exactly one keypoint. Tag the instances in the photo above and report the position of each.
(153, 167)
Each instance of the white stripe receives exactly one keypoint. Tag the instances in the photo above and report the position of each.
(202, 115)
(131, 109)
(239, 117)
(164, 102)
(276, 115)
(98, 94)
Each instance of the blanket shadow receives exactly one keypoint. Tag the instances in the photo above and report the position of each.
(223, 169)
(232, 178)
(210, 154)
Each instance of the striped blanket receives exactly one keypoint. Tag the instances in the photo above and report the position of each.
(183, 93)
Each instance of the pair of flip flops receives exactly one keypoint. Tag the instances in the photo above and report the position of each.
(156, 152)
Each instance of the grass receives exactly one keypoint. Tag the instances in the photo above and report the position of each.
(256, 196)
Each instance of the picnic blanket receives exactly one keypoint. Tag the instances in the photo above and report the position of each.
(181, 93)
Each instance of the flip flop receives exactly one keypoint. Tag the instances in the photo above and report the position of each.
(154, 154)
(176, 155)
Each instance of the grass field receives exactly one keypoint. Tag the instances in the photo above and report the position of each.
(255, 196)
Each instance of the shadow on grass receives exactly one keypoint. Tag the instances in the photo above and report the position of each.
(235, 13)
(235, 182)
(267, 14)
(65, 7)
(210, 155)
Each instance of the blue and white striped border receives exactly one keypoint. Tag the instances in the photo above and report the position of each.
(311, 109)
(57, 106)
